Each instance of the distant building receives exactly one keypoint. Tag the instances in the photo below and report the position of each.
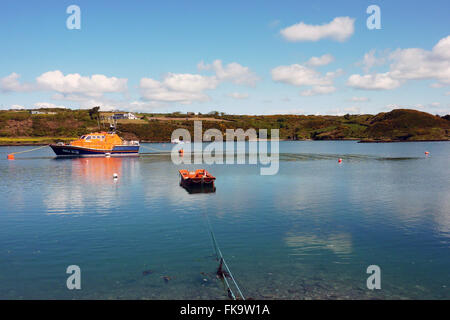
(41, 112)
(128, 115)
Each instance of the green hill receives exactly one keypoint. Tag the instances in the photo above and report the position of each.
(408, 125)
(22, 127)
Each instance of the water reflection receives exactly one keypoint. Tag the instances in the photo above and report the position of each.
(94, 170)
(90, 183)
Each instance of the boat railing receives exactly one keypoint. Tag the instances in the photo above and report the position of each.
(130, 143)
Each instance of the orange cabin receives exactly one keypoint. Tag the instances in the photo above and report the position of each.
(98, 140)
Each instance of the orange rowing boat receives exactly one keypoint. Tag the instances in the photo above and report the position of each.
(197, 177)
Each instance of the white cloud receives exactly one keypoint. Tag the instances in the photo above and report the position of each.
(88, 91)
(72, 87)
(437, 85)
(94, 86)
(380, 81)
(14, 107)
(238, 95)
(370, 60)
(233, 72)
(343, 111)
(143, 106)
(189, 82)
(182, 88)
(418, 64)
(105, 103)
(340, 29)
(299, 75)
(410, 64)
(290, 111)
(433, 107)
(392, 106)
(38, 105)
(318, 90)
(359, 99)
(11, 83)
(320, 61)
(187, 88)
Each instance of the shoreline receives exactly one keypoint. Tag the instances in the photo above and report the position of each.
(398, 141)
(27, 144)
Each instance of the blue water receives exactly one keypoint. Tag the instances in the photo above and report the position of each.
(308, 232)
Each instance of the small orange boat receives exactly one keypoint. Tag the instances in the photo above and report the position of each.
(197, 177)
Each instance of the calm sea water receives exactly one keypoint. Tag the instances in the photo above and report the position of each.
(309, 232)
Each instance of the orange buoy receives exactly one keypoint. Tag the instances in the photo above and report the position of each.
(340, 160)
(10, 157)
(427, 153)
(181, 151)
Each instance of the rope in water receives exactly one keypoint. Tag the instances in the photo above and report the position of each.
(154, 149)
(219, 254)
(30, 150)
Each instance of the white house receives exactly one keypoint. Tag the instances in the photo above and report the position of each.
(41, 112)
(127, 115)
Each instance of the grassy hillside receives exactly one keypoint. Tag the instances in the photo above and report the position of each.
(22, 127)
(406, 125)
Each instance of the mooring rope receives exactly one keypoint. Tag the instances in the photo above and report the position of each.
(219, 254)
(154, 149)
(30, 150)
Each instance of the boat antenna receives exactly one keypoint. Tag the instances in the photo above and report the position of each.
(98, 121)
(112, 124)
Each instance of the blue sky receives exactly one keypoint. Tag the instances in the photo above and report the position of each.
(239, 57)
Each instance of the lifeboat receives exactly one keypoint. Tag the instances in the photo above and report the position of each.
(198, 177)
(97, 144)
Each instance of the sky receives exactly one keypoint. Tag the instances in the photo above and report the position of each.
(237, 57)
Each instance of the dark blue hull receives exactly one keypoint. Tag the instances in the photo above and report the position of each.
(72, 151)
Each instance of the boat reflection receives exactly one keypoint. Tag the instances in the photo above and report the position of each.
(85, 183)
(95, 170)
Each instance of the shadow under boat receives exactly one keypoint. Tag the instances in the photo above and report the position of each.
(201, 188)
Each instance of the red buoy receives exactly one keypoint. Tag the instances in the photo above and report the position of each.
(427, 153)
(340, 160)
(10, 157)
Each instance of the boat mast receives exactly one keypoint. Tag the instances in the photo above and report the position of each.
(112, 124)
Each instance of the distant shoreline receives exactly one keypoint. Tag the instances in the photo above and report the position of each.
(399, 141)
(52, 125)
(25, 144)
